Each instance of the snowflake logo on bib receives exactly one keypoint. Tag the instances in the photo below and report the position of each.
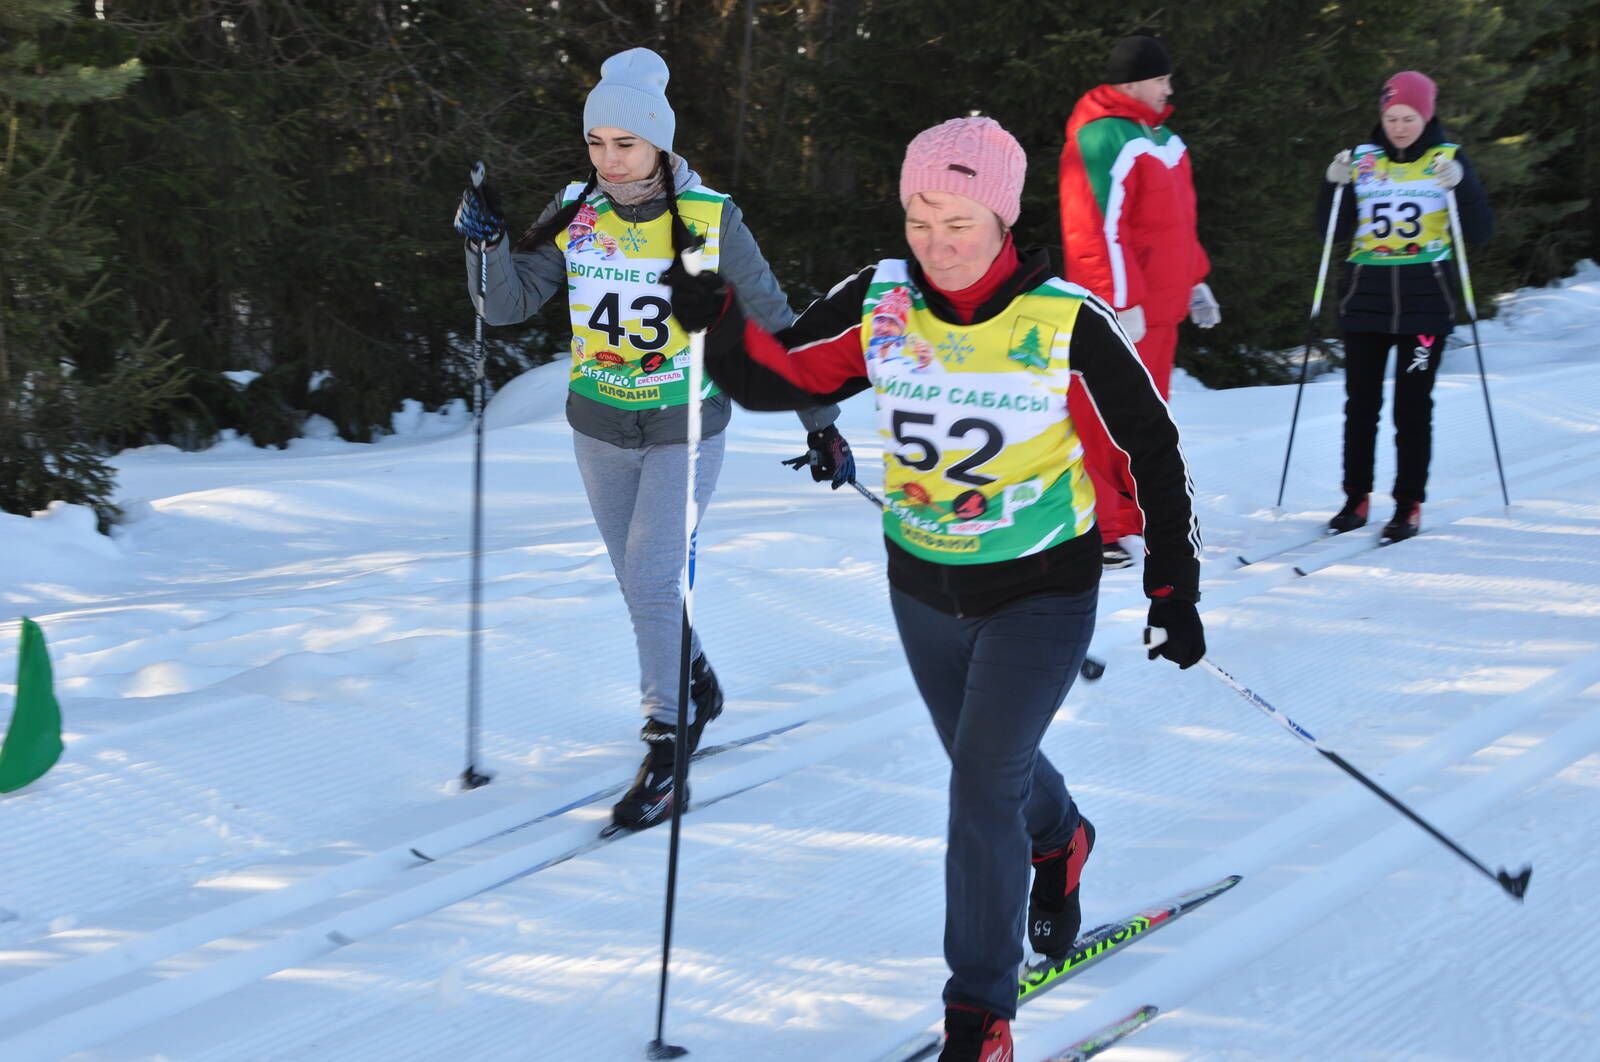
(633, 239)
(956, 348)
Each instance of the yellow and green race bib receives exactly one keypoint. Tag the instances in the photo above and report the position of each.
(981, 462)
(1401, 209)
(627, 348)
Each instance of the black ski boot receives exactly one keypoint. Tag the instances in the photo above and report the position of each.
(1054, 915)
(1406, 523)
(1352, 516)
(649, 800)
(706, 693)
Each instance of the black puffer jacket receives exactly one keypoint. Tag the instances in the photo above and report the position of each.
(1422, 297)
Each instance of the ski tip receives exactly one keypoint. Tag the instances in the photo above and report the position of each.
(1299, 570)
(425, 857)
(610, 830)
(1244, 562)
(1091, 1046)
(1516, 887)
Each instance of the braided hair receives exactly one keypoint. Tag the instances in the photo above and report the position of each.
(540, 232)
(544, 230)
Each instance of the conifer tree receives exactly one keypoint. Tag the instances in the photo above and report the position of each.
(51, 279)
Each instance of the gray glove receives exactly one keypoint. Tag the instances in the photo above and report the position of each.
(1203, 308)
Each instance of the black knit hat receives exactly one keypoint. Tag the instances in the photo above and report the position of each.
(1136, 59)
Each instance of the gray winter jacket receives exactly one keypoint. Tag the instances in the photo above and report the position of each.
(519, 284)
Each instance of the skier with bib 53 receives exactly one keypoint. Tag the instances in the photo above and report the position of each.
(1399, 290)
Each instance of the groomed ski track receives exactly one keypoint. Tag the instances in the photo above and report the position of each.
(226, 874)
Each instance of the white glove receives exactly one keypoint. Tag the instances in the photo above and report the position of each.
(1340, 170)
(1447, 172)
(1203, 308)
(1132, 322)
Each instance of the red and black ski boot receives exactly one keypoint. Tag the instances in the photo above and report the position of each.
(972, 1034)
(1407, 521)
(1352, 516)
(1054, 916)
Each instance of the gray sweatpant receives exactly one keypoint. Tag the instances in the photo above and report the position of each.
(637, 498)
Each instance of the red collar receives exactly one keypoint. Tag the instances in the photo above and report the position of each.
(966, 301)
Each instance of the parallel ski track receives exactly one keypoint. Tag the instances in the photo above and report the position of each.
(240, 925)
(1272, 920)
(1446, 749)
(439, 885)
(392, 1029)
(114, 791)
(20, 996)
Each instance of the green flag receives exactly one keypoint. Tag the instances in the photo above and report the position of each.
(33, 744)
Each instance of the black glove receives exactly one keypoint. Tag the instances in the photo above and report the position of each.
(828, 456)
(479, 216)
(698, 301)
(1186, 637)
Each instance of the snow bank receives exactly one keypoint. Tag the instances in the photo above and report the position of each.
(56, 545)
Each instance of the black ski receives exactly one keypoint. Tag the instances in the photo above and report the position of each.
(612, 790)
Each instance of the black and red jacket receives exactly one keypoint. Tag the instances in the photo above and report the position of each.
(820, 358)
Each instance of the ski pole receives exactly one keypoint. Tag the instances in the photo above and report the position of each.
(659, 1048)
(1311, 332)
(1460, 247)
(1514, 885)
(1091, 668)
(471, 776)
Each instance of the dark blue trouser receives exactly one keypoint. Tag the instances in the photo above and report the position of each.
(992, 684)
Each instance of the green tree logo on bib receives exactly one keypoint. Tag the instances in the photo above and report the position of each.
(1030, 349)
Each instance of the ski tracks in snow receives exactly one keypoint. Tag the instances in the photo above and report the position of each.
(812, 898)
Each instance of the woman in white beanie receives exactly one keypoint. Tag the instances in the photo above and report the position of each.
(970, 350)
(606, 242)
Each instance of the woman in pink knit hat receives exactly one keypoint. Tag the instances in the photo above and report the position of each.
(970, 348)
(1400, 290)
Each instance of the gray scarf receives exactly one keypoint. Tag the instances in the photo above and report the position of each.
(634, 193)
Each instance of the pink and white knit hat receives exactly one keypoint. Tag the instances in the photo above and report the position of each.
(973, 157)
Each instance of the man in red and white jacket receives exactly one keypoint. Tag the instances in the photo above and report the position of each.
(1128, 231)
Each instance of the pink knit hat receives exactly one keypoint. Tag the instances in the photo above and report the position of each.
(1415, 90)
(973, 157)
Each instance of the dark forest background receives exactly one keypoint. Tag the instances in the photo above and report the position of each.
(190, 188)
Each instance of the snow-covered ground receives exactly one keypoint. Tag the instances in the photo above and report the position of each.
(263, 678)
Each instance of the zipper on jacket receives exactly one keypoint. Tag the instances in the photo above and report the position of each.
(1444, 289)
(1394, 295)
(1355, 282)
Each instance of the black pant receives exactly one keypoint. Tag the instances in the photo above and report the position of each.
(1366, 355)
(992, 684)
